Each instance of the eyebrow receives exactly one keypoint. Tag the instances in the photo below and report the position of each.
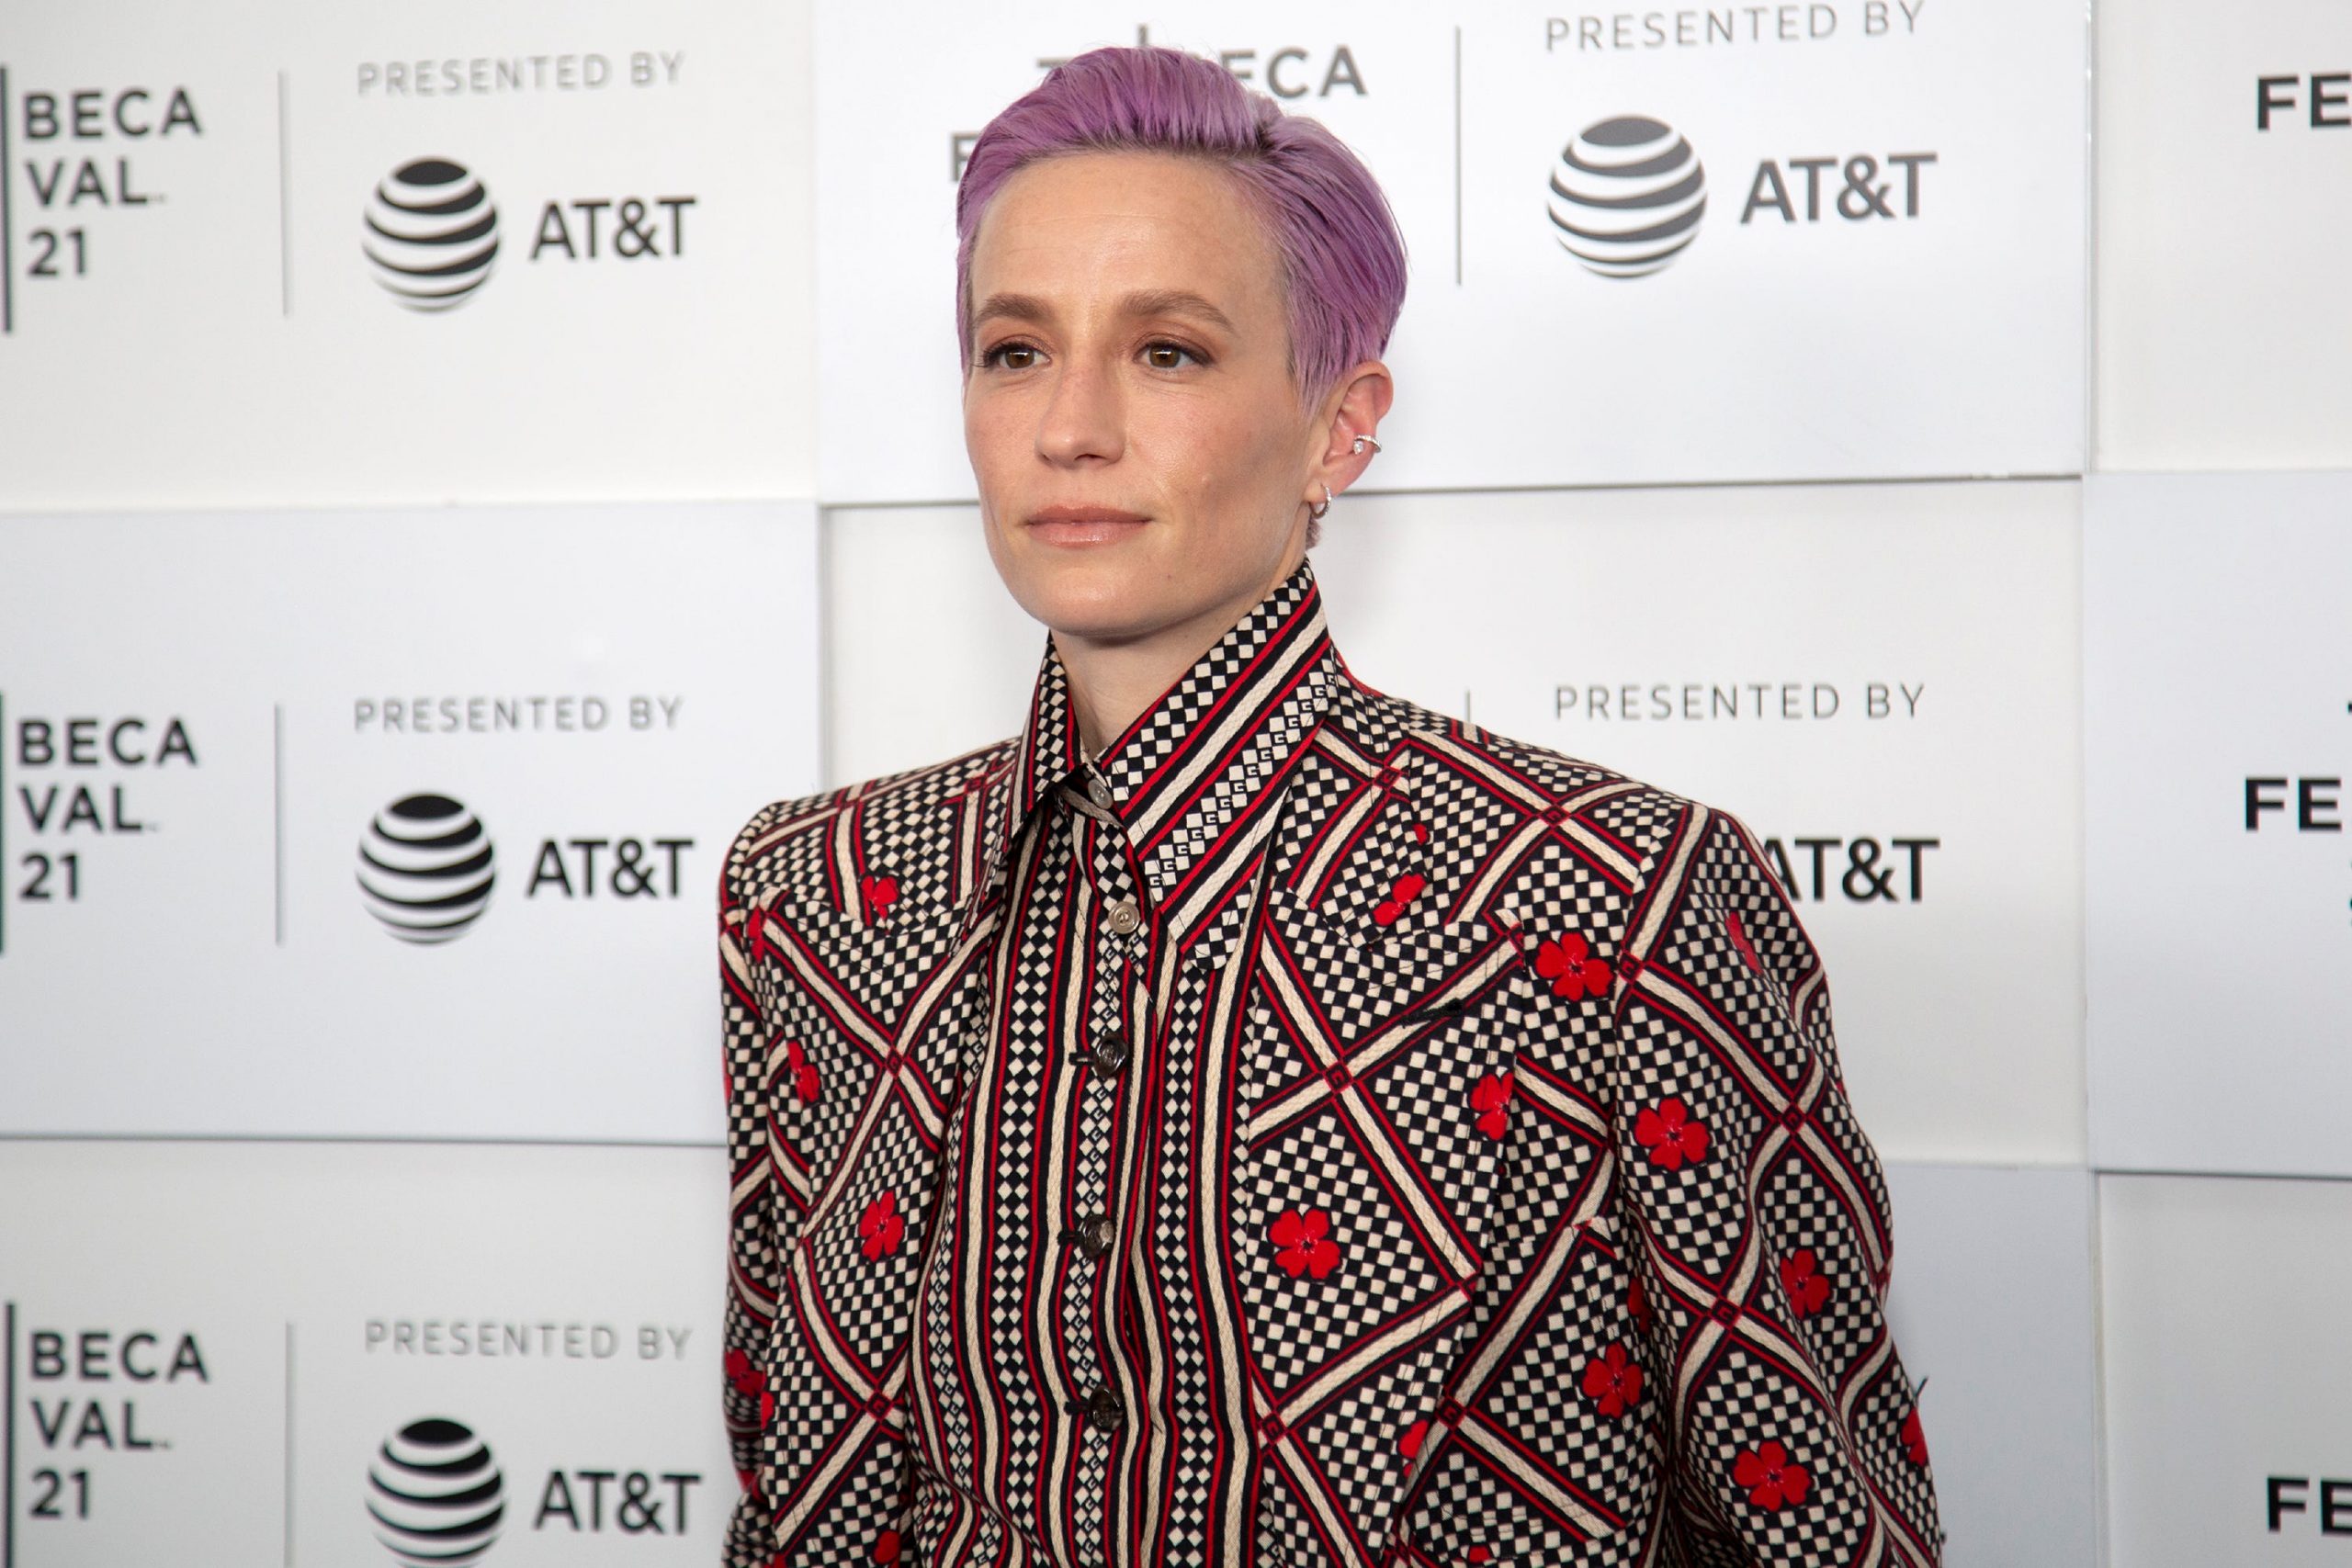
(1142, 302)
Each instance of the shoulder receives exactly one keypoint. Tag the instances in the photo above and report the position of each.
(1491, 780)
(1542, 835)
(898, 822)
(1644, 876)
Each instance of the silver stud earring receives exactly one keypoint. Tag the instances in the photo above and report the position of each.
(1315, 512)
(1361, 442)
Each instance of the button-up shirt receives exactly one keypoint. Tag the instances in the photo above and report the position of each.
(1313, 1131)
(1064, 1400)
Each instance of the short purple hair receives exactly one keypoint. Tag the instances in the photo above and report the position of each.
(1341, 259)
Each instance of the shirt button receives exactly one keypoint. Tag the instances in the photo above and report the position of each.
(1098, 791)
(1126, 918)
(1097, 1405)
(1090, 1235)
(1110, 1053)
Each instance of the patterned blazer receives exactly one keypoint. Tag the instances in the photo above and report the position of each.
(1550, 1051)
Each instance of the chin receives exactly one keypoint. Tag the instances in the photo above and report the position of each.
(1101, 606)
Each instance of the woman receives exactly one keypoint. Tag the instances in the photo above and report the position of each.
(1245, 1117)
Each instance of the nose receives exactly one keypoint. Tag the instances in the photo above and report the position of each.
(1084, 416)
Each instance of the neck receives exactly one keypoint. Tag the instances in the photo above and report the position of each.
(1113, 682)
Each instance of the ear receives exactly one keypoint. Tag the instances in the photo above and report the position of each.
(1355, 407)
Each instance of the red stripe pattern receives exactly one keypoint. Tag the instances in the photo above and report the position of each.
(1315, 1130)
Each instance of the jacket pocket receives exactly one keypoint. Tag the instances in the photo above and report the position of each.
(1366, 1157)
(1398, 1021)
(1562, 1453)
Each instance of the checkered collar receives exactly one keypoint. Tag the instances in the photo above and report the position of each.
(1214, 745)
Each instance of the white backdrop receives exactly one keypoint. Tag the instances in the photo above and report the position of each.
(2214, 121)
(1871, 515)
(211, 286)
(554, 1302)
(2222, 904)
(551, 670)
(1784, 343)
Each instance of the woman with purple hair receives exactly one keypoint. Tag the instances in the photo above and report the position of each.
(1245, 1117)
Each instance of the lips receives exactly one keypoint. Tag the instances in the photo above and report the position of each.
(1051, 515)
(1077, 527)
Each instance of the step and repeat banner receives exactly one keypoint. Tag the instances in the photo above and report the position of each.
(2219, 701)
(388, 824)
(328, 254)
(2224, 1408)
(456, 464)
(1852, 208)
(2224, 134)
(364, 1353)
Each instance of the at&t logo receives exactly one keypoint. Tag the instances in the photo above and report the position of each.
(437, 1498)
(427, 867)
(1627, 195)
(431, 235)
(1875, 870)
(436, 1495)
(432, 232)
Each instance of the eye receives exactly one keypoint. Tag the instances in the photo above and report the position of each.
(1161, 354)
(1012, 354)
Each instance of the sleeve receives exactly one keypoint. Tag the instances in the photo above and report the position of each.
(1761, 1228)
(776, 1402)
(751, 1258)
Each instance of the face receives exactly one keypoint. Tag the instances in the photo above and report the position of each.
(1142, 458)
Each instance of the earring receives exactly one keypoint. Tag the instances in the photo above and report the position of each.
(1314, 513)
(1360, 442)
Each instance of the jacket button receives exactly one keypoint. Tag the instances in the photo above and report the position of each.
(1098, 791)
(1110, 1053)
(1126, 919)
(1090, 1235)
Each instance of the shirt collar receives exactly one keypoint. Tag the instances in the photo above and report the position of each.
(1211, 751)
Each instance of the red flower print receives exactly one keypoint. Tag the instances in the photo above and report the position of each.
(882, 1226)
(1613, 1380)
(1401, 892)
(767, 1407)
(1673, 1139)
(1807, 1286)
(755, 931)
(1637, 1301)
(1304, 1242)
(1491, 1100)
(1415, 1434)
(878, 894)
(1773, 1480)
(1914, 1441)
(804, 1077)
(742, 1373)
(886, 1546)
(1740, 944)
(1481, 1554)
(1569, 964)
(1421, 831)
